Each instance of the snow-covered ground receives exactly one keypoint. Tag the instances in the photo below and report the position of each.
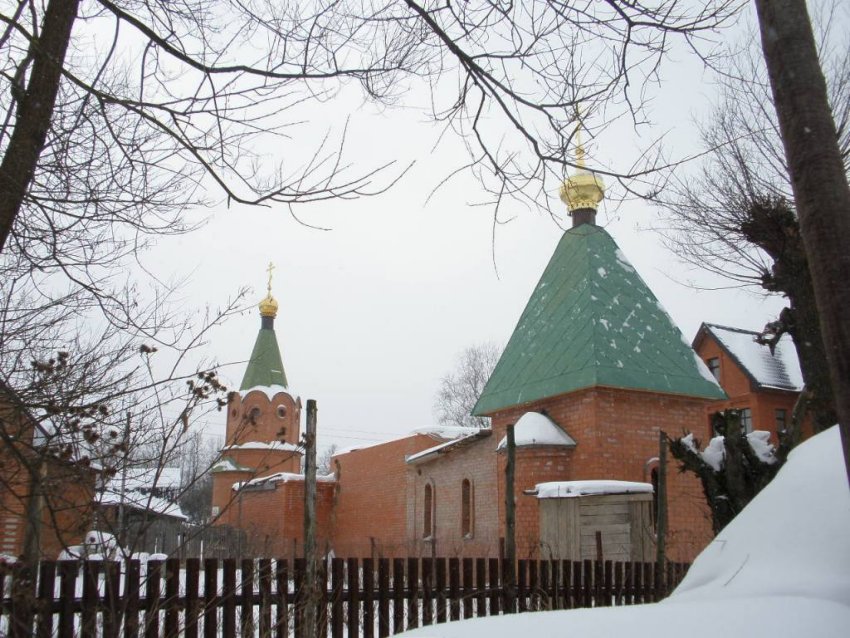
(781, 568)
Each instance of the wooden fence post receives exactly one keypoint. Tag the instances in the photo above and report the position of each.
(661, 519)
(310, 599)
(509, 570)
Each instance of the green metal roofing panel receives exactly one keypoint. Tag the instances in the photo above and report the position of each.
(592, 321)
(265, 368)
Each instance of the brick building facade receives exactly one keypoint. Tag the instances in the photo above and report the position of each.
(763, 384)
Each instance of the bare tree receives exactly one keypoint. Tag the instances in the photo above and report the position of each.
(818, 178)
(735, 217)
(131, 131)
(461, 388)
(325, 465)
(73, 397)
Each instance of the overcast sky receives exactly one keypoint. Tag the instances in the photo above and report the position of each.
(374, 311)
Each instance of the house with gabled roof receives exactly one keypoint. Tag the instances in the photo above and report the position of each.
(763, 384)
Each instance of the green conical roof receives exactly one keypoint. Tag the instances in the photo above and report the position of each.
(592, 321)
(265, 368)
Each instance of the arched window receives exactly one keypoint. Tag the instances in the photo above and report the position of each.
(466, 509)
(428, 512)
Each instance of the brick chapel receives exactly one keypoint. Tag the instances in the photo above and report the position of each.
(593, 370)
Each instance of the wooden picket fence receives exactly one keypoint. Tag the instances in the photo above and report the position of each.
(356, 597)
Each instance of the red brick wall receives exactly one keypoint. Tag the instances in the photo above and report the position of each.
(370, 512)
(474, 462)
(616, 432)
(69, 489)
(266, 424)
(274, 518)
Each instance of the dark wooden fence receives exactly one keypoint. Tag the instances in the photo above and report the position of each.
(360, 598)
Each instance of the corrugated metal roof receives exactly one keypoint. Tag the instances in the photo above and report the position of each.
(592, 321)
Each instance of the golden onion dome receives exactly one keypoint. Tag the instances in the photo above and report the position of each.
(268, 306)
(583, 189)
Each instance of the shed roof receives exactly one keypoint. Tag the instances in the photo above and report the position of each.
(592, 321)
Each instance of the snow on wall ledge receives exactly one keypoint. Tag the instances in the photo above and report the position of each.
(265, 445)
(534, 428)
(573, 489)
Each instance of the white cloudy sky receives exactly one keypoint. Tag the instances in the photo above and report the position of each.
(374, 311)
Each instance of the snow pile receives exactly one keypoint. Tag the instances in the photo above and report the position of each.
(534, 428)
(715, 452)
(781, 568)
(572, 489)
(791, 539)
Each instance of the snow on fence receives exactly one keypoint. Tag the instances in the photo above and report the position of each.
(359, 597)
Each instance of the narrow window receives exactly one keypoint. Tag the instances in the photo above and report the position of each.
(466, 509)
(781, 419)
(746, 420)
(714, 367)
(428, 513)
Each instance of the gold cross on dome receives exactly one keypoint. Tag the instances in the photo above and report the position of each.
(269, 270)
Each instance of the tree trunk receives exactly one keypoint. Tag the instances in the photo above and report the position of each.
(772, 225)
(821, 192)
(510, 525)
(35, 109)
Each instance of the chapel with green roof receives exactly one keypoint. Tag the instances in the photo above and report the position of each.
(596, 353)
(263, 420)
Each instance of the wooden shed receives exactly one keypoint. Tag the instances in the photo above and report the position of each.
(573, 512)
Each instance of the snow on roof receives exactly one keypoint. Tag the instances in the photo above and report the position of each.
(534, 429)
(443, 432)
(473, 435)
(265, 445)
(778, 370)
(148, 478)
(573, 489)
(446, 432)
(137, 500)
(780, 568)
(282, 477)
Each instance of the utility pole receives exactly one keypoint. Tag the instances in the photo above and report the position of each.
(661, 515)
(510, 525)
(310, 578)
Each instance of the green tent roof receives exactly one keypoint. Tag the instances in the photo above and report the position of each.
(592, 321)
(265, 368)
